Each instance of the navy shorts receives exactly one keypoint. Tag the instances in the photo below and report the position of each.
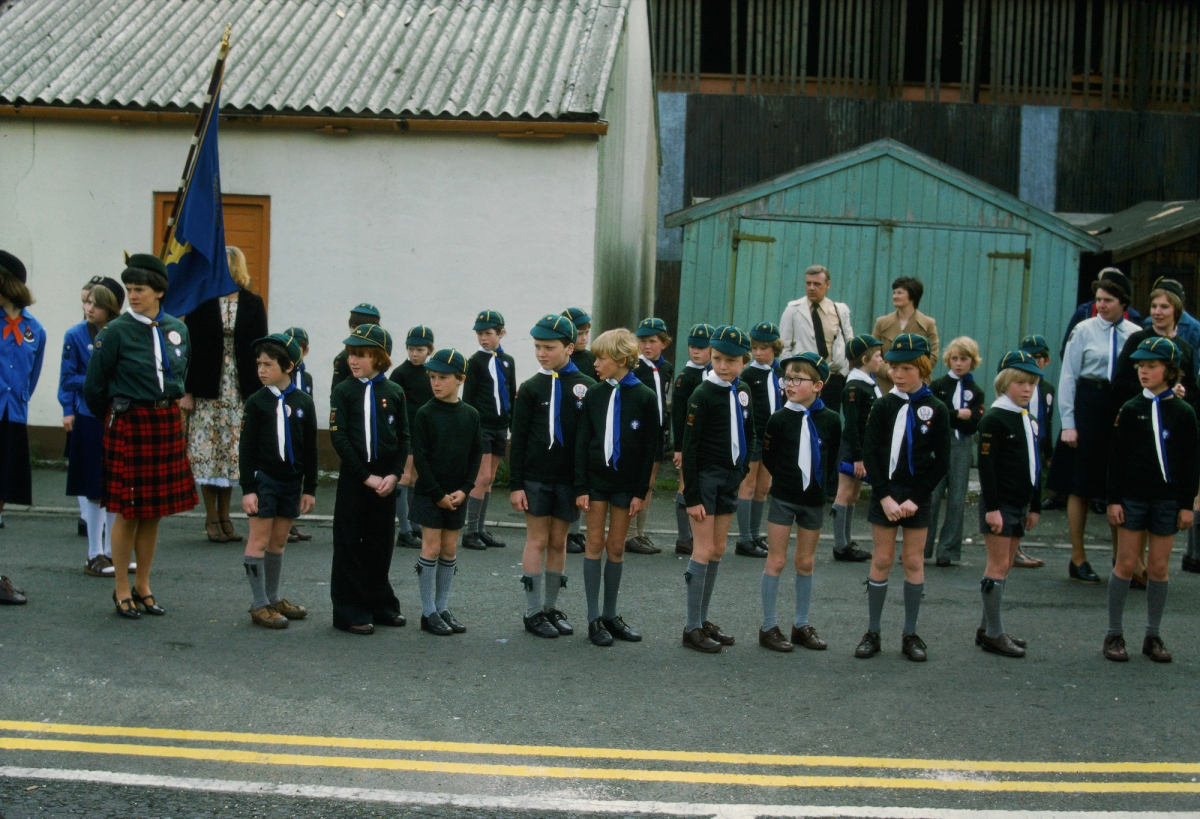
(1154, 516)
(785, 514)
(621, 500)
(918, 520)
(1013, 519)
(495, 442)
(424, 511)
(719, 490)
(555, 500)
(756, 450)
(278, 499)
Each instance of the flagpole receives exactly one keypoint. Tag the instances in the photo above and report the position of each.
(206, 112)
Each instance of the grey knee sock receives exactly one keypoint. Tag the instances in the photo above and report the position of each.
(273, 568)
(710, 580)
(554, 582)
(426, 582)
(841, 528)
(913, 592)
(487, 498)
(770, 595)
(533, 593)
(804, 587)
(876, 594)
(993, 595)
(402, 497)
(756, 515)
(682, 521)
(1156, 600)
(743, 521)
(256, 575)
(640, 519)
(591, 587)
(1118, 590)
(849, 523)
(694, 577)
(474, 510)
(612, 585)
(445, 575)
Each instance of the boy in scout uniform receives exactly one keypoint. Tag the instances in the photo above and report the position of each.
(694, 369)
(363, 313)
(586, 362)
(304, 382)
(414, 380)
(865, 356)
(766, 397)
(491, 388)
(654, 370)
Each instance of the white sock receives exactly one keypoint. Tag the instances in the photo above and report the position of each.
(93, 516)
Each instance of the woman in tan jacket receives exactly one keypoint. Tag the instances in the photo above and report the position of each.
(906, 296)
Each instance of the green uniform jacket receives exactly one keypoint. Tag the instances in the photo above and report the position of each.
(123, 363)
(1003, 459)
(857, 398)
(781, 454)
(347, 429)
(687, 381)
(645, 374)
(415, 383)
(258, 448)
(341, 370)
(447, 448)
(1133, 470)
(931, 449)
(639, 441)
(532, 457)
(759, 382)
(585, 361)
(707, 433)
(478, 392)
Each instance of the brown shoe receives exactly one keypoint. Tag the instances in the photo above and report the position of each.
(10, 596)
(299, 535)
(714, 631)
(1114, 648)
(683, 547)
(806, 636)
(697, 639)
(979, 633)
(228, 530)
(641, 546)
(1003, 645)
(773, 639)
(290, 610)
(267, 617)
(99, 566)
(1153, 648)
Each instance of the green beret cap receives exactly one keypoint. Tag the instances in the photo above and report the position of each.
(287, 341)
(765, 332)
(651, 327)
(419, 336)
(1019, 360)
(1162, 349)
(447, 361)
(815, 359)
(700, 335)
(578, 316)
(370, 335)
(1035, 344)
(730, 340)
(907, 347)
(860, 344)
(488, 320)
(550, 327)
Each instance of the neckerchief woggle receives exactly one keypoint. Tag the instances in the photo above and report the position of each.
(1156, 423)
(499, 381)
(737, 426)
(612, 420)
(959, 399)
(774, 388)
(555, 420)
(809, 456)
(13, 328)
(858, 375)
(1006, 403)
(905, 428)
(162, 362)
(371, 428)
(658, 390)
(283, 430)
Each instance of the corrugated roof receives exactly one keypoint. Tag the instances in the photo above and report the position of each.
(1146, 226)
(539, 59)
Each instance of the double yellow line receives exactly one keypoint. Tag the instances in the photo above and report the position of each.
(935, 770)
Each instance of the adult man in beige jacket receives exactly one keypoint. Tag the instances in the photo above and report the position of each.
(820, 325)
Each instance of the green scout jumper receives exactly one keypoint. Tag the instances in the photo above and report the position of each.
(945, 387)
(1003, 461)
(781, 454)
(258, 448)
(341, 370)
(685, 384)
(414, 381)
(478, 389)
(447, 448)
(127, 340)
(1133, 470)
(759, 381)
(931, 449)
(857, 398)
(532, 458)
(639, 433)
(645, 373)
(585, 361)
(706, 435)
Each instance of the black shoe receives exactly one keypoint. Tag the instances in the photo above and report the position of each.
(943, 562)
(913, 647)
(1114, 648)
(698, 640)
(1055, 503)
(598, 634)
(980, 634)
(448, 619)
(1153, 648)
(129, 612)
(417, 532)
(617, 628)
(540, 626)
(1082, 573)
(868, 646)
(474, 542)
(641, 545)
(435, 625)
(1003, 645)
(683, 547)
(491, 542)
(1190, 564)
(748, 548)
(851, 554)
(714, 631)
(147, 603)
(392, 620)
(81, 528)
(761, 542)
(559, 620)
(576, 543)
(407, 540)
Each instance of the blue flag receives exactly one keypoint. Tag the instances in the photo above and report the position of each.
(197, 269)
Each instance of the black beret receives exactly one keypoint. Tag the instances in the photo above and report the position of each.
(111, 285)
(13, 265)
(146, 268)
(146, 261)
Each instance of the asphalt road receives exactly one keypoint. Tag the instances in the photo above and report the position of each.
(902, 733)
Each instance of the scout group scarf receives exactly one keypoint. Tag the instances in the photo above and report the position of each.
(658, 390)
(297, 379)
(959, 400)
(1156, 423)
(283, 430)
(858, 375)
(612, 421)
(905, 428)
(737, 426)
(775, 390)
(162, 362)
(1006, 403)
(499, 382)
(371, 427)
(556, 434)
(13, 328)
(809, 459)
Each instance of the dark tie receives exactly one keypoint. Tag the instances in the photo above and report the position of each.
(819, 332)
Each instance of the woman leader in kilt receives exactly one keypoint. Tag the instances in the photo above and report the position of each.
(134, 380)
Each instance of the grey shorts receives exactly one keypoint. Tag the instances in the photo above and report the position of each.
(1154, 516)
(551, 500)
(785, 514)
(424, 511)
(1014, 521)
(495, 442)
(719, 490)
(621, 500)
(919, 519)
(278, 499)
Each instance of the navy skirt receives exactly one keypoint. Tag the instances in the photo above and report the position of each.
(1083, 471)
(16, 471)
(85, 458)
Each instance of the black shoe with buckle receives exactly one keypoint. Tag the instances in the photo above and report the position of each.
(618, 629)
(474, 542)
(598, 634)
(868, 646)
(913, 647)
(559, 620)
(576, 543)
(491, 542)
(1082, 573)
(540, 626)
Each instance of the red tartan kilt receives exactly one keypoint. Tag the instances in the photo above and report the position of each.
(146, 469)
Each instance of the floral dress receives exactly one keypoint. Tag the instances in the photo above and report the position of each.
(216, 425)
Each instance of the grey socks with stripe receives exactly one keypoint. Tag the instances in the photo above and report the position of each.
(445, 574)
(1156, 601)
(710, 580)
(694, 578)
(553, 582)
(841, 527)
(876, 595)
(612, 585)
(743, 521)
(756, 516)
(533, 593)
(426, 582)
(993, 595)
(403, 494)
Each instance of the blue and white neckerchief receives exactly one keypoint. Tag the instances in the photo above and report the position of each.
(737, 425)
(297, 378)
(905, 428)
(555, 419)
(1112, 348)
(1006, 403)
(612, 420)
(162, 361)
(774, 388)
(283, 430)
(959, 399)
(858, 375)
(809, 456)
(371, 427)
(499, 381)
(1160, 434)
(658, 387)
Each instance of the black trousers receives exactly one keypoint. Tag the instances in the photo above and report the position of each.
(364, 526)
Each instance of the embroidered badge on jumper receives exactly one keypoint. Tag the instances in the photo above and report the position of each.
(925, 413)
(580, 390)
(635, 424)
(174, 337)
(744, 399)
(968, 395)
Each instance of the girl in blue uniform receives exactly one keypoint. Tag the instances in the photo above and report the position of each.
(22, 348)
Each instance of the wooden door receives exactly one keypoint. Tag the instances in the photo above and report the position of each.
(247, 226)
